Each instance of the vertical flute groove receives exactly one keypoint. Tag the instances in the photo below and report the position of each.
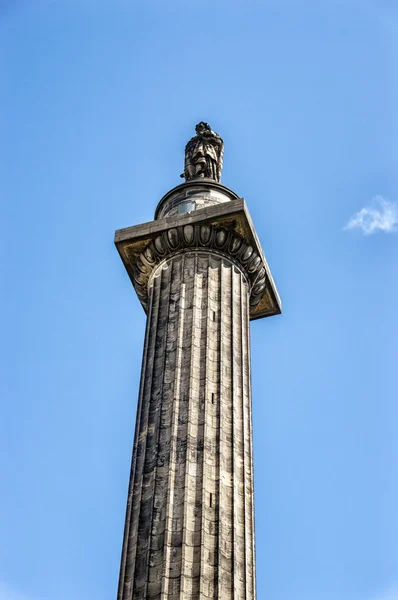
(247, 380)
(179, 513)
(204, 492)
(220, 380)
(246, 488)
(233, 444)
(167, 572)
(161, 471)
(188, 518)
(226, 509)
(238, 441)
(252, 461)
(207, 487)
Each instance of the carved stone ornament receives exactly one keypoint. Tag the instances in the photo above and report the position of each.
(225, 229)
(204, 154)
(199, 237)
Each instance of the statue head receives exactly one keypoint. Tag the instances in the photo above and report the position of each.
(202, 128)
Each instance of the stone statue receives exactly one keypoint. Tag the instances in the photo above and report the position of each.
(203, 154)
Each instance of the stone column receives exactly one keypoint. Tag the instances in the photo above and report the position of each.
(190, 507)
(189, 531)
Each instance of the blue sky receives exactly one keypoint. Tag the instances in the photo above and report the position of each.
(98, 99)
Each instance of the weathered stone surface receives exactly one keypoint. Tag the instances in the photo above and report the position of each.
(193, 195)
(189, 530)
(204, 154)
(231, 232)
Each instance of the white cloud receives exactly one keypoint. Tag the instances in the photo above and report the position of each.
(381, 215)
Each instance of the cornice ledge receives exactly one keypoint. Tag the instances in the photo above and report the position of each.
(226, 228)
(196, 238)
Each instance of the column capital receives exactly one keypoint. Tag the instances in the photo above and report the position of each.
(224, 228)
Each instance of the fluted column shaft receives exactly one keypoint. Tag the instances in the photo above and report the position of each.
(189, 530)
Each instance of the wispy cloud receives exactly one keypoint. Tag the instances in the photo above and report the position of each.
(380, 215)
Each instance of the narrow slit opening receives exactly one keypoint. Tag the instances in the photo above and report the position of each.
(212, 398)
(211, 500)
(213, 315)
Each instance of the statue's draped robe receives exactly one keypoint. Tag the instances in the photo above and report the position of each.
(203, 157)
